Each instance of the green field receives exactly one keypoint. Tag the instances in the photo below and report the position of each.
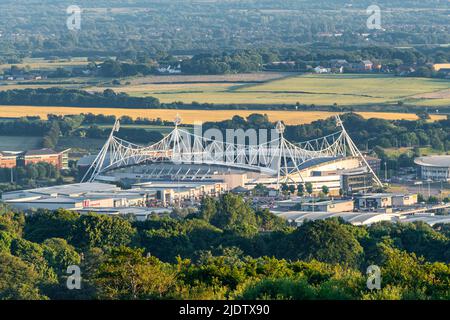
(305, 89)
(363, 90)
(19, 143)
(43, 64)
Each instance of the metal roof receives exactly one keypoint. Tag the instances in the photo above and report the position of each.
(433, 161)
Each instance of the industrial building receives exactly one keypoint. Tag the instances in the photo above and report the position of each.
(96, 196)
(361, 218)
(385, 200)
(176, 193)
(328, 206)
(436, 168)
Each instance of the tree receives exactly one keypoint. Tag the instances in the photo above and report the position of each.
(46, 224)
(94, 230)
(325, 190)
(284, 188)
(6, 239)
(301, 189)
(279, 289)
(234, 214)
(33, 253)
(127, 274)
(309, 188)
(208, 208)
(326, 241)
(60, 254)
(19, 280)
(267, 221)
(11, 222)
(291, 189)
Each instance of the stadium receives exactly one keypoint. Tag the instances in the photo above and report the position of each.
(436, 168)
(332, 161)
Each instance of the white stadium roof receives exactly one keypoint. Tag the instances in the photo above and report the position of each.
(433, 161)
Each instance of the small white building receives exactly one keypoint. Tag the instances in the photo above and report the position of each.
(320, 70)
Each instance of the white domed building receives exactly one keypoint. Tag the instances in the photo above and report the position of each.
(436, 168)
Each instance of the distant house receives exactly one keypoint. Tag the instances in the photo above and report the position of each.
(377, 66)
(367, 65)
(440, 66)
(277, 63)
(320, 70)
(325, 34)
(361, 66)
(337, 63)
(170, 69)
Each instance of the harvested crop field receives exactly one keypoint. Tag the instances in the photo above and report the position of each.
(191, 116)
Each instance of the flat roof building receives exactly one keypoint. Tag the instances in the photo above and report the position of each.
(8, 159)
(328, 206)
(103, 195)
(385, 200)
(59, 159)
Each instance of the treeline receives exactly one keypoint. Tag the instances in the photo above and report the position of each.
(370, 133)
(238, 62)
(75, 98)
(226, 250)
(137, 135)
(26, 175)
(366, 133)
(115, 69)
(81, 126)
(90, 118)
(390, 56)
(275, 59)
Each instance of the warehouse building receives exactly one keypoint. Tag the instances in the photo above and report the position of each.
(96, 195)
(361, 218)
(385, 200)
(328, 206)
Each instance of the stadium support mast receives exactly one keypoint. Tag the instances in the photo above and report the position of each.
(355, 151)
(98, 162)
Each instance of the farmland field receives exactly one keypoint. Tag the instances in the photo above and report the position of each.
(42, 64)
(191, 116)
(305, 89)
(269, 88)
(19, 143)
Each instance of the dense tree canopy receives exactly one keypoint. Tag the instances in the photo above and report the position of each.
(227, 250)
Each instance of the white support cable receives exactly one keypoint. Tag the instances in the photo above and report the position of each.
(355, 151)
